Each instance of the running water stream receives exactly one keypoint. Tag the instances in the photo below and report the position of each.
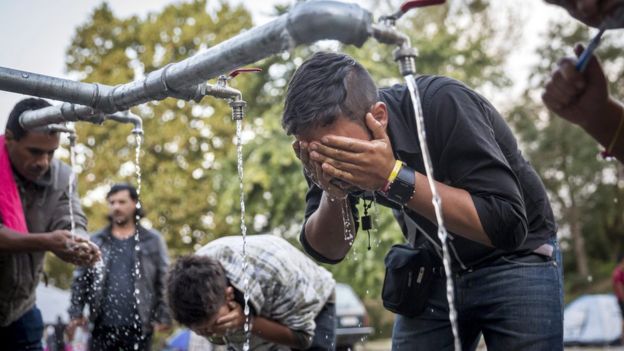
(72, 180)
(239, 153)
(437, 204)
(137, 218)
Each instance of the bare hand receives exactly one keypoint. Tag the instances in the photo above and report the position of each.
(73, 324)
(232, 321)
(73, 249)
(362, 163)
(575, 96)
(314, 171)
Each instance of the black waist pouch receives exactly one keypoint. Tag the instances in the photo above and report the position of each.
(409, 273)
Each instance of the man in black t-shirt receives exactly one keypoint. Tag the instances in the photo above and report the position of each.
(126, 295)
(354, 140)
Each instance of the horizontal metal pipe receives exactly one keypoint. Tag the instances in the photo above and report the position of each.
(57, 128)
(34, 84)
(306, 23)
(51, 115)
(65, 112)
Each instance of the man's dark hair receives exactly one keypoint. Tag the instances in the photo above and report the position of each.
(326, 86)
(195, 289)
(134, 195)
(24, 105)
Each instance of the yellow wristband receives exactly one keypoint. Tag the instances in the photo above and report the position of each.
(395, 171)
(616, 136)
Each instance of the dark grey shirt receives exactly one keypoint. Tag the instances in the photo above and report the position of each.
(118, 305)
(472, 148)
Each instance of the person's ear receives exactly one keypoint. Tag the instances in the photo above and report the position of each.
(380, 113)
(8, 135)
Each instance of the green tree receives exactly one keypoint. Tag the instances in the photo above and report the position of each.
(585, 190)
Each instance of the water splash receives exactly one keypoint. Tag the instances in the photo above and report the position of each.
(437, 204)
(239, 153)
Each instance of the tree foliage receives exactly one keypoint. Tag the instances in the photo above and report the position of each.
(585, 190)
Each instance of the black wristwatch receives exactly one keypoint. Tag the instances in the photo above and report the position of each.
(401, 190)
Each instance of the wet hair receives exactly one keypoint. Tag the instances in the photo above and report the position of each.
(134, 195)
(22, 106)
(324, 87)
(195, 289)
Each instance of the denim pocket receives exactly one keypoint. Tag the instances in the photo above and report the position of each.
(533, 260)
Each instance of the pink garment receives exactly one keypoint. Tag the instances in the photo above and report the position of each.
(11, 210)
(617, 278)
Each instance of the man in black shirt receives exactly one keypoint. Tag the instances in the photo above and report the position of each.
(353, 139)
(126, 298)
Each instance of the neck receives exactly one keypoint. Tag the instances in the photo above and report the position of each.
(123, 231)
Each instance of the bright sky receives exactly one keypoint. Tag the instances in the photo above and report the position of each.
(35, 33)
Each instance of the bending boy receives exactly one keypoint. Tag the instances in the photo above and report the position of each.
(291, 299)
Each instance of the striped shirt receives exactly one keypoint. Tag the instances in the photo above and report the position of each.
(284, 285)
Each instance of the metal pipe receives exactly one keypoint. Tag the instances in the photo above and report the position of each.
(35, 119)
(34, 84)
(56, 128)
(306, 23)
(58, 114)
(387, 34)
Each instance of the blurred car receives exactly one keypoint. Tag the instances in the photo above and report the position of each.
(592, 320)
(352, 323)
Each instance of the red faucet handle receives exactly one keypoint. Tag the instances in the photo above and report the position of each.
(412, 4)
(238, 71)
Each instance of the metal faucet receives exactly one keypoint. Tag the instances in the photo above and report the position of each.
(127, 117)
(385, 32)
(233, 96)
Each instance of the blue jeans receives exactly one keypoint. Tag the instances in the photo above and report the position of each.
(23, 334)
(325, 332)
(516, 303)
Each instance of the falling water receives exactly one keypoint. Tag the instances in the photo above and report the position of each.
(137, 218)
(437, 204)
(346, 221)
(137, 163)
(376, 220)
(239, 152)
(72, 180)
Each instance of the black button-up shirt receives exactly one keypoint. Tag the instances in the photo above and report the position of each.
(471, 148)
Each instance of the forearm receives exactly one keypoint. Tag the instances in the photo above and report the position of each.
(603, 126)
(14, 242)
(274, 332)
(325, 228)
(459, 212)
